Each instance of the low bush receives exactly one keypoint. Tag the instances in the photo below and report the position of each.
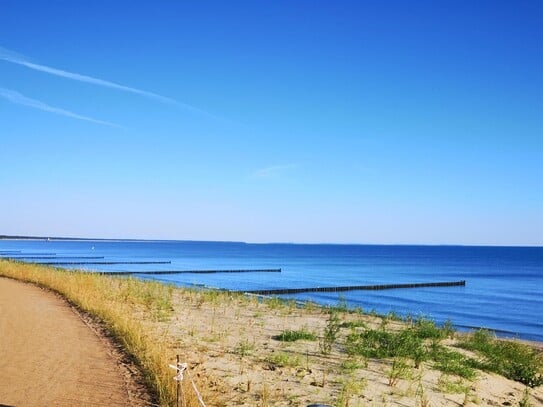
(514, 360)
(292, 336)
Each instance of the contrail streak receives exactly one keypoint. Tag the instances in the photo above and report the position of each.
(17, 98)
(14, 58)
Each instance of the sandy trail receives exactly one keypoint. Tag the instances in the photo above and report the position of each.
(49, 356)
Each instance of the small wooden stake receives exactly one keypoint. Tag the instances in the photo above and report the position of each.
(178, 382)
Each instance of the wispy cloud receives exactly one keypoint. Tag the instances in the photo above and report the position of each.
(10, 56)
(17, 98)
(274, 171)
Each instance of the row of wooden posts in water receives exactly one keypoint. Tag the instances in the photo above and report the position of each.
(16, 255)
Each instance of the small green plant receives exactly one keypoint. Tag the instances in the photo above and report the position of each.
(400, 369)
(422, 396)
(393, 316)
(350, 365)
(353, 324)
(292, 336)
(244, 348)
(341, 305)
(449, 361)
(448, 329)
(426, 329)
(274, 302)
(349, 388)
(282, 359)
(310, 305)
(330, 333)
(525, 400)
(446, 384)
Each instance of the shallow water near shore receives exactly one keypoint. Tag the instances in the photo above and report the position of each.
(503, 292)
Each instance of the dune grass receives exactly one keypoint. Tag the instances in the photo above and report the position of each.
(296, 335)
(513, 360)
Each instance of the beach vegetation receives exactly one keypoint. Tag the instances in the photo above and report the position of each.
(448, 329)
(400, 369)
(244, 348)
(296, 335)
(357, 323)
(350, 387)
(513, 360)
(452, 385)
(284, 359)
(393, 316)
(452, 362)
(408, 343)
(525, 400)
(153, 322)
(426, 328)
(351, 365)
(330, 333)
(341, 305)
(274, 302)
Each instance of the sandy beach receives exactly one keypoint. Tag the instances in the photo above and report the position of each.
(50, 356)
(230, 343)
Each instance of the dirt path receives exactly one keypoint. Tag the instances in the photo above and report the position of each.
(50, 357)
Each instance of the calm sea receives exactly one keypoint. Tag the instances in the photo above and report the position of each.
(504, 290)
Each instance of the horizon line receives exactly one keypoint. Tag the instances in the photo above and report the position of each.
(61, 238)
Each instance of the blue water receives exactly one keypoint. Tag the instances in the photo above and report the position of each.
(504, 290)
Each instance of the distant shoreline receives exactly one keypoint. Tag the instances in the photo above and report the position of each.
(100, 239)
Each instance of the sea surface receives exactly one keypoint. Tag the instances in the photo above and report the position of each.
(503, 292)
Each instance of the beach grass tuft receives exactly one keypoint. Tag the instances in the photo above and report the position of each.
(295, 335)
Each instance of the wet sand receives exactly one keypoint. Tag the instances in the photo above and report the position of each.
(50, 356)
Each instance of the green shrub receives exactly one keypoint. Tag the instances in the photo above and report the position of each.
(330, 333)
(426, 329)
(407, 343)
(373, 343)
(451, 362)
(353, 324)
(282, 359)
(511, 359)
(292, 336)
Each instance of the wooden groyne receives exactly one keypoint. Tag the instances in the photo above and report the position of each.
(353, 288)
(97, 263)
(192, 271)
(27, 254)
(50, 257)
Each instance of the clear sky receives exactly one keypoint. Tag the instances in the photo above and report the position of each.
(284, 121)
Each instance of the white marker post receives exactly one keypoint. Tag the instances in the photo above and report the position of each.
(180, 368)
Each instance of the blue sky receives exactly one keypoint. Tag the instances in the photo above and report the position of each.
(290, 121)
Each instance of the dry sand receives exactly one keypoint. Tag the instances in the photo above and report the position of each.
(51, 356)
(212, 334)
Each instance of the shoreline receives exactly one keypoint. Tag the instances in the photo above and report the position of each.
(230, 344)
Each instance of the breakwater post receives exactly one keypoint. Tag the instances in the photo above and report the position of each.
(192, 271)
(352, 288)
(101, 263)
